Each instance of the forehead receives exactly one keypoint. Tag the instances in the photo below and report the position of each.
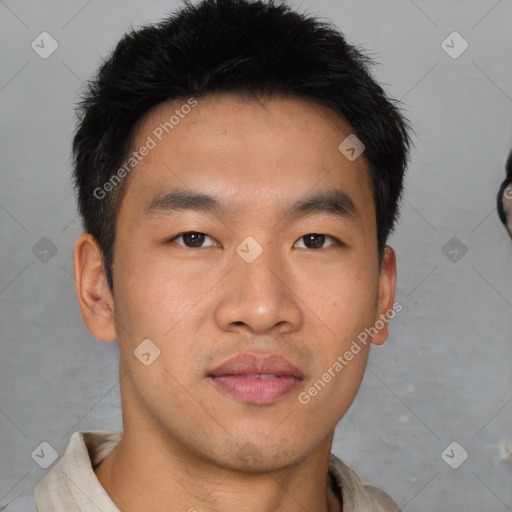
(247, 152)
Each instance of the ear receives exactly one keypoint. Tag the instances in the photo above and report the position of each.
(387, 283)
(94, 297)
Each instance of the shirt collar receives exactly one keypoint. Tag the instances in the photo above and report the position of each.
(71, 485)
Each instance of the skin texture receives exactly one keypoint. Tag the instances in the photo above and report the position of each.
(184, 439)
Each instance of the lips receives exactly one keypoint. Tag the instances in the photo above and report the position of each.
(252, 365)
(257, 379)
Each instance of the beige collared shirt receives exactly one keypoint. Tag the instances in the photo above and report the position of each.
(71, 485)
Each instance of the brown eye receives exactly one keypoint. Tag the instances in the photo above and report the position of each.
(192, 239)
(316, 241)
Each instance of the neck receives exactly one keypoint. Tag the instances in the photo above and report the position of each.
(149, 472)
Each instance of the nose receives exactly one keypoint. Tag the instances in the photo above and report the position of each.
(260, 297)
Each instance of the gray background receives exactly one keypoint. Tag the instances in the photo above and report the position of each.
(444, 374)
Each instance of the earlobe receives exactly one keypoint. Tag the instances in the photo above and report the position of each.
(387, 283)
(94, 297)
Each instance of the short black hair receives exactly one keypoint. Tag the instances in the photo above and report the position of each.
(252, 48)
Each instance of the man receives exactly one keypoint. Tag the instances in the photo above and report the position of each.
(238, 174)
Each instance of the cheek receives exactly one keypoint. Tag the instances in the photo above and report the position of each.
(344, 309)
(171, 307)
(154, 295)
(343, 299)
(159, 303)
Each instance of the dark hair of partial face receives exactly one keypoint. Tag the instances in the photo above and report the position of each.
(504, 197)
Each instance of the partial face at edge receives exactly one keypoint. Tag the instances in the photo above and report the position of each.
(306, 298)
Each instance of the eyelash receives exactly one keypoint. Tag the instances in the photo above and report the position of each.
(334, 239)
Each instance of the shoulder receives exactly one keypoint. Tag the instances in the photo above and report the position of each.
(72, 480)
(358, 496)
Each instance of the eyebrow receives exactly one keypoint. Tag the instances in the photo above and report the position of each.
(335, 202)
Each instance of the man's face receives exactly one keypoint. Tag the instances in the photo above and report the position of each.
(202, 301)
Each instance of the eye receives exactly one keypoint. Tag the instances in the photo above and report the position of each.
(315, 240)
(196, 239)
(192, 239)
